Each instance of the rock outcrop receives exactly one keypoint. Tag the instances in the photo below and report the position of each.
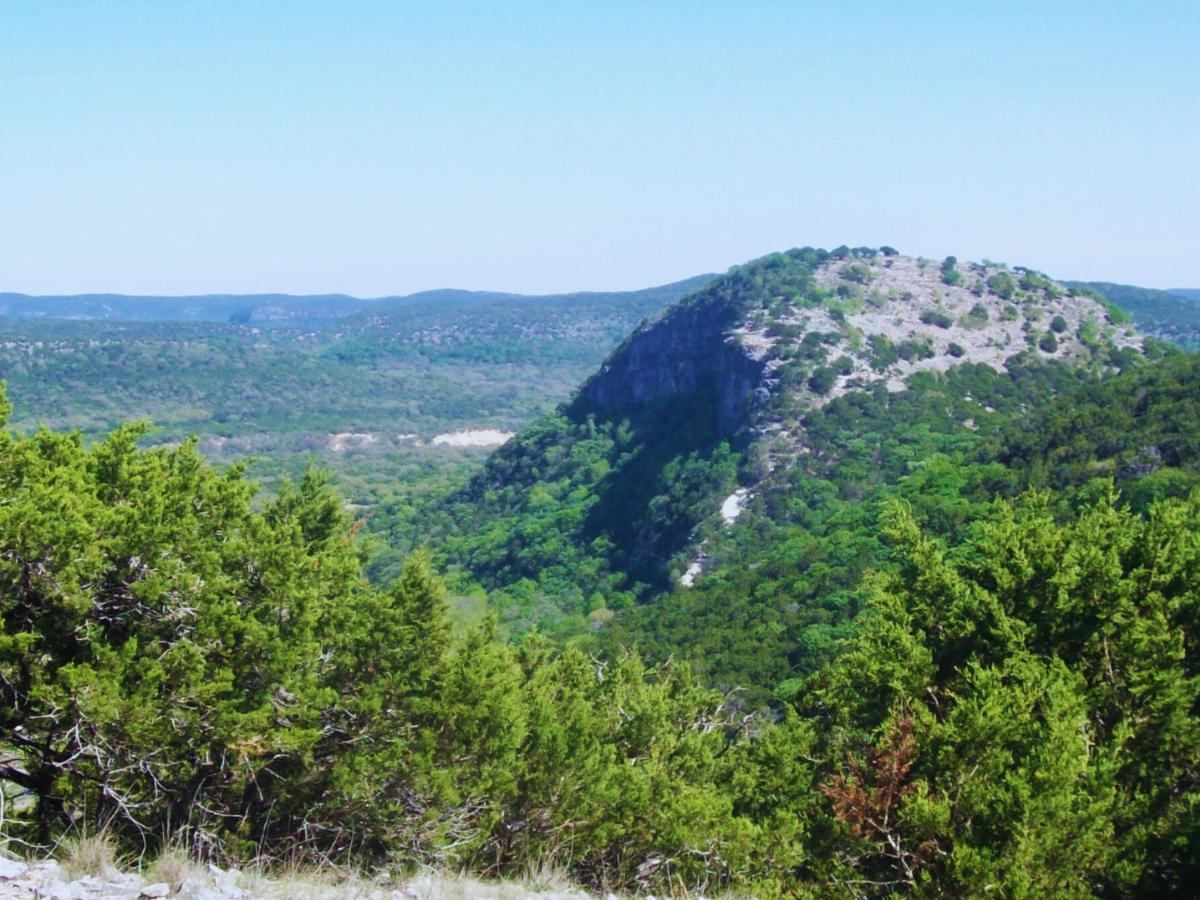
(690, 350)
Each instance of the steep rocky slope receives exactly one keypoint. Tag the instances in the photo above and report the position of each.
(863, 318)
(618, 495)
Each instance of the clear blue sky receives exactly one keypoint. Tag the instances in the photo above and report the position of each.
(377, 148)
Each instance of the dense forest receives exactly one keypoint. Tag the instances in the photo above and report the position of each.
(1017, 704)
(945, 646)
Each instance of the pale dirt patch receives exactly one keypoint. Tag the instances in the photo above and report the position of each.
(482, 437)
(179, 877)
(341, 441)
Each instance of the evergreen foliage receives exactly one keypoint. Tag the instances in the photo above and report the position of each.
(949, 650)
(998, 692)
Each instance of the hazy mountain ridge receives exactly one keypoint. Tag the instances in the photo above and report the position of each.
(297, 310)
(180, 308)
(370, 369)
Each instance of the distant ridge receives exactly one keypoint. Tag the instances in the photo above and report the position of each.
(1172, 316)
(272, 309)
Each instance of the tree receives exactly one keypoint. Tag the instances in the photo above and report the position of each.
(1020, 710)
(822, 380)
(1002, 284)
(950, 273)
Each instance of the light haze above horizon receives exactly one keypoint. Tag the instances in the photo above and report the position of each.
(375, 148)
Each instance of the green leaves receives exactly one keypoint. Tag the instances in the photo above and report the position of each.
(1044, 666)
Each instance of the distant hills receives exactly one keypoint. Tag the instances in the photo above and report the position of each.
(196, 308)
(300, 310)
(1172, 315)
(380, 391)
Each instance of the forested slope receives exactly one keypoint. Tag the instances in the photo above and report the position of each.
(752, 381)
(1017, 706)
(1167, 315)
(942, 528)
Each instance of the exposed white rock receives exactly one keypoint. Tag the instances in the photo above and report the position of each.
(481, 437)
(341, 441)
(11, 869)
(733, 505)
(45, 880)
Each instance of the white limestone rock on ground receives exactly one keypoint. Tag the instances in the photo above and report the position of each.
(47, 880)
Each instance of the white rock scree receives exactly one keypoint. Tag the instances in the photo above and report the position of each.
(47, 880)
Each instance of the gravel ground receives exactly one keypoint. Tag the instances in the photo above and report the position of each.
(48, 880)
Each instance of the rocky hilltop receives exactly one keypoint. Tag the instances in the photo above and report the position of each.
(676, 433)
(795, 330)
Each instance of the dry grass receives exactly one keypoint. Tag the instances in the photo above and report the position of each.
(304, 883)
(548, 875)
(96, 856)
(92, 855)
(174, 867)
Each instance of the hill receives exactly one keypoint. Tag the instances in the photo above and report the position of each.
(765, 378)
(914, 674)
(258, 308)
(413, 366)
(305, 310)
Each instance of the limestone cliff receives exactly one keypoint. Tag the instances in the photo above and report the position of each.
(689, 350)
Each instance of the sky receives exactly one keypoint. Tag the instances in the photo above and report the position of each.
(377, 148)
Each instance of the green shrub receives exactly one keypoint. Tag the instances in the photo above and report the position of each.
(914, 349)
(950, 273)
(1002, 285)
(936, 317)
(883, 352)
(822, 380)
(976, 317)
(1116, 315)
(857, 272)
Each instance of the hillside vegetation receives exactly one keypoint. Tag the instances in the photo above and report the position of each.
(609, 500)
(1167, 315)
(1017, 706)
(848, 574)
(365, 391)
